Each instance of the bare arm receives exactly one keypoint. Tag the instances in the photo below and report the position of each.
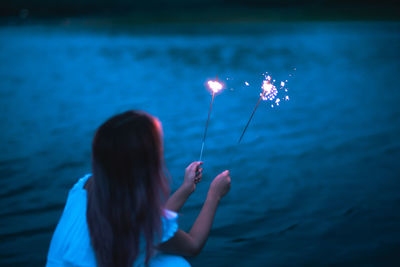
(190, 244)
(176, 201)
(193, 174)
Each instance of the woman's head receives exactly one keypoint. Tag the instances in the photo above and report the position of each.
(128, 187)
(128, 147)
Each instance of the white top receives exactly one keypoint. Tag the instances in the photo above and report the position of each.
(70, 245)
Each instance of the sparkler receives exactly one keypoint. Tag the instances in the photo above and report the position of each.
(270, 93)
(215, 87)
(252, 114)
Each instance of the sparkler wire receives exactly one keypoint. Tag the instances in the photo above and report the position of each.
(205, 131)
(248, 122)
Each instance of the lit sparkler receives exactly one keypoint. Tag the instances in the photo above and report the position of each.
(269, 93)
(215, 87)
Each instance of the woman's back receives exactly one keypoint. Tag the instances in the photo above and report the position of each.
(70, 245)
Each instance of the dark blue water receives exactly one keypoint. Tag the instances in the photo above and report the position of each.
(314, 182)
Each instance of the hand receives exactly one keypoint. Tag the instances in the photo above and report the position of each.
(193, 175)
(221, 184)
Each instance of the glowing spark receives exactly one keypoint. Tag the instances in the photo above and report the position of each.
(246, 83)
(277, 101)
(287, 98)
(269, 90)
(214, 86)
(267, 86)
(282, 84)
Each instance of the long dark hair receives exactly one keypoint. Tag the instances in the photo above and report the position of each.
(128, 188)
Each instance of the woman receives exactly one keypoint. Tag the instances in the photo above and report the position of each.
(120, 215)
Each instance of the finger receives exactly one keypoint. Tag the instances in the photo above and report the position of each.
(199, 169)
(191, 165)
(194, 165)
(198, 174)
(197, 163)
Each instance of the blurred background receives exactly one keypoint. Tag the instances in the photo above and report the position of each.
(315, 181)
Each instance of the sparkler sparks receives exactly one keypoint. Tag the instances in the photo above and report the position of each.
(215, 86)
(269, 90)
